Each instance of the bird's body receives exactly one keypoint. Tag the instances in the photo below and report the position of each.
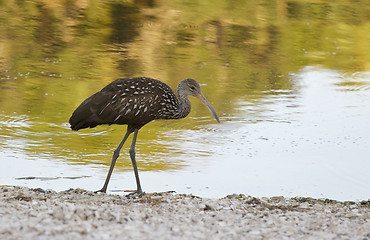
(131, 101)
(135, 102)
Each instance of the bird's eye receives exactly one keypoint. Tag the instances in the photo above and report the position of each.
(192, 88)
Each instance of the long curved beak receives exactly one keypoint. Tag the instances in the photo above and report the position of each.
(204, 100)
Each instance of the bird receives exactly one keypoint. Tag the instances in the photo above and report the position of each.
(135, 102)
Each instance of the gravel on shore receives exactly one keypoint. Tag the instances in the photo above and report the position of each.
(79, 214)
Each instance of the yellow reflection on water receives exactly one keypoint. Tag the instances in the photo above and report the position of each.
(54, 54)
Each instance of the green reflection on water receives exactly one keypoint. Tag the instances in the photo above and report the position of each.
(54, 54)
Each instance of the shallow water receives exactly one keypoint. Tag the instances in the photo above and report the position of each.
(290, 83)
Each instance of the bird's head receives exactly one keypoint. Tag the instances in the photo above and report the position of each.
(191, 87)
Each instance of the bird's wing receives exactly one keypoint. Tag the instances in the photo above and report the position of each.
(122, 102)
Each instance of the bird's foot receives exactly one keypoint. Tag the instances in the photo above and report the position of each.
(136, 194)
(101, 190)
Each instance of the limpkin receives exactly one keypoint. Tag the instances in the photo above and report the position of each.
(135, 102)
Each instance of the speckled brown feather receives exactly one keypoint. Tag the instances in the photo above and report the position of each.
(131, 101)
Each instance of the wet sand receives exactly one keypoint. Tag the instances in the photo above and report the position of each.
(79, 214)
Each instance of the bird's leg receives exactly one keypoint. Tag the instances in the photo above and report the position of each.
(114, 158)
(133, 160)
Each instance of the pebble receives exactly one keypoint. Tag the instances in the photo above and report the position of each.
(79, 214)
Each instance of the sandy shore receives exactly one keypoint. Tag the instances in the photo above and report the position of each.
(78, 214)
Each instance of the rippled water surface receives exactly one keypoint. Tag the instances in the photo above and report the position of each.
(290, 82)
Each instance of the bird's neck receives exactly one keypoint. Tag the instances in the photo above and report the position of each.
(185, 105)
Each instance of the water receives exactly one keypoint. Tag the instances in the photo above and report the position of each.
(289, 81)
